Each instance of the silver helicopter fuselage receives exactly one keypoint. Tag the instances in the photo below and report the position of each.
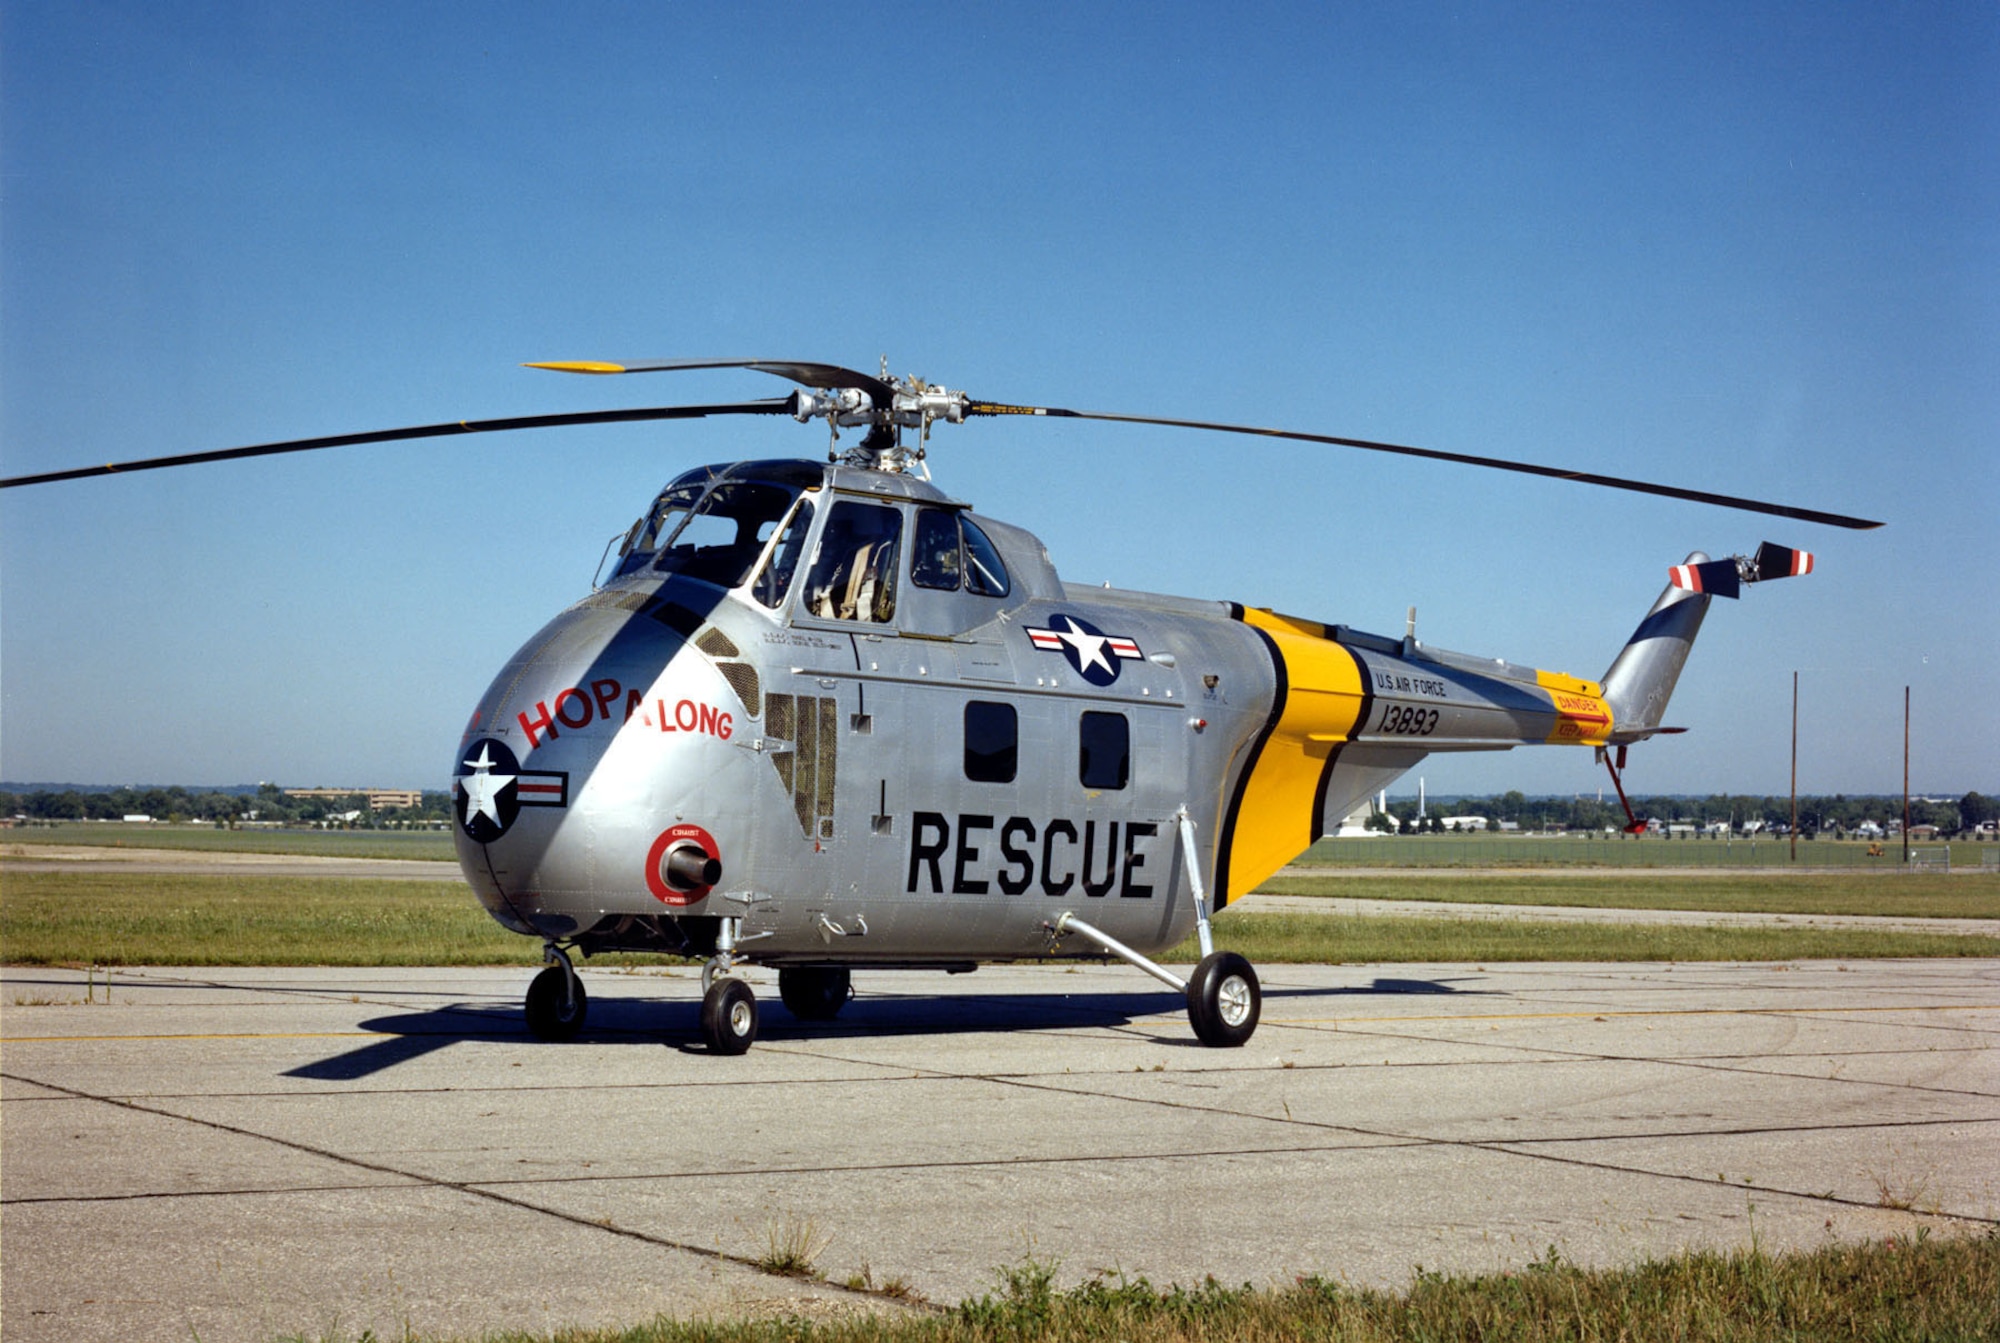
(822, 717)
(866, 726)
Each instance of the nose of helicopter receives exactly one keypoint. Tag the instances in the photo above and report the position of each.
(584, 784)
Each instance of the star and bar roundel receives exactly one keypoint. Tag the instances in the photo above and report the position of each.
(1095, 655)
(490, 788)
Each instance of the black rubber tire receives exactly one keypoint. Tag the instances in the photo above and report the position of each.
(551, 1014)
(729, 1016)
(1224, 1000)
(814, 992)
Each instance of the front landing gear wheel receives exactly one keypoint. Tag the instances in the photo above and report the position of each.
(812, 992)
(1223, 1000)
(729, 1016)
(553, 1012)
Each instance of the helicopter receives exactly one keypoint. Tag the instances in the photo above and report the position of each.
(821, 716)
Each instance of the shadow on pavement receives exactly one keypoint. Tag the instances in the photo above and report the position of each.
(676, 1022)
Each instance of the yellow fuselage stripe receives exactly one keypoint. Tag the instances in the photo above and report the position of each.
(1275, 816)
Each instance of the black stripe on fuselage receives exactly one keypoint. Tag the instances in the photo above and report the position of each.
(1361, 718)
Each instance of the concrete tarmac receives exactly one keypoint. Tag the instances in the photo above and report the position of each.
(239, 1154)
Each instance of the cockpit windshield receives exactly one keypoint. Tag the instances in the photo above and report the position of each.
(713, 522)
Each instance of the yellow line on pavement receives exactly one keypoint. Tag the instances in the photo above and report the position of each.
(243, 1035)
(1662, 1012)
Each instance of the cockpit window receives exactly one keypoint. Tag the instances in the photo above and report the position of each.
(942, 561)
(934, 563)
(725, 533)
(985, 573)
(712, 523)
(774, 580)
(854, 573)
(668, 512)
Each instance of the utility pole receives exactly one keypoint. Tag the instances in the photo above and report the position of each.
(1795, 767)
(1906, 776)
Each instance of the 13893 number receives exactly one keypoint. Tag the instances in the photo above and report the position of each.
(1408, 720)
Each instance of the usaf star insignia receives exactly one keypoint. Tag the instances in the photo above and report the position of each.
(490, 788)
(1095, 655)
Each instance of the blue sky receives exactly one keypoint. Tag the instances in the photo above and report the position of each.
(1745, 248)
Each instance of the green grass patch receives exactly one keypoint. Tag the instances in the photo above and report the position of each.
(1922, 1288)
(434, 845)
(1587, 850)
(1920, 895)
(1321, 939)
(102, 918)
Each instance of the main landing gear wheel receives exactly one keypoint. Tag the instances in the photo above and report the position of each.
(812, 992)
(553, 1012)
(729, 1016)
(1223, 1000)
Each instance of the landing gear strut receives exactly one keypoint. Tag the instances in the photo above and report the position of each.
(557, 1004)
(1223, 997)
(728, 1005)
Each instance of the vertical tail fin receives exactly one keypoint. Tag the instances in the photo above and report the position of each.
(1642, 676)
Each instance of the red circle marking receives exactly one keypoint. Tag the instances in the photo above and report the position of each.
(672, 835)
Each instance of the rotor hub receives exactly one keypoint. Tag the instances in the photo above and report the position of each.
(912, 403)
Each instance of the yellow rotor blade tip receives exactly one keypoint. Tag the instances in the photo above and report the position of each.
(580, 366)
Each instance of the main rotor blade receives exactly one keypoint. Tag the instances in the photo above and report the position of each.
(1497, 463)
(777, 406)
(803, 372)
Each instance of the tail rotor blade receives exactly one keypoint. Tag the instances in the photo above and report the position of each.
(1775, 561)
(1718, 578)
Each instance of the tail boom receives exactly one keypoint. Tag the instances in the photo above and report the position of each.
(1354, 711)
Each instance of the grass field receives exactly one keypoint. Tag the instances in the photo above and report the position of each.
(1315, 939)
(1621, 851)
(417, 844)
(1934, 1289)
(1916, 895)
(104, 918)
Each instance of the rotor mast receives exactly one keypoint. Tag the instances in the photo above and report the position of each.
(912, 403)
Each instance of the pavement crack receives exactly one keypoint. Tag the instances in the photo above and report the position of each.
(1822, 1197)
(275, 1191)
(1709, 1063)
(470, 1190)
(1509, 1146)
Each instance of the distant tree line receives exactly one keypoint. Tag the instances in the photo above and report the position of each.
(268, 803)
(1835, 815)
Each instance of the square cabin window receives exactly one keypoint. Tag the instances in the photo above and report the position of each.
(992, 742)
(1104, 750)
